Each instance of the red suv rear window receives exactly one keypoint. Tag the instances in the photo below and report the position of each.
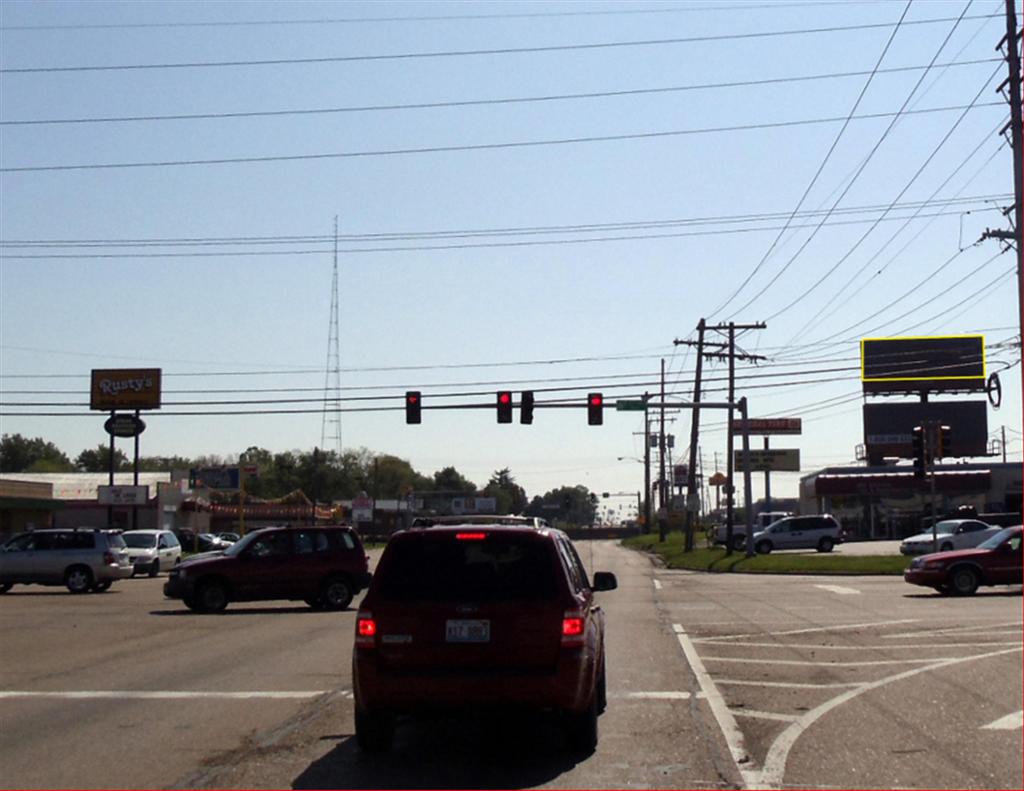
(440, 568)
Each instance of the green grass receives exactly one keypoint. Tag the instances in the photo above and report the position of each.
(714, 559)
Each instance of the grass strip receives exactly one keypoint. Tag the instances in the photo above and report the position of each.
(714, 559)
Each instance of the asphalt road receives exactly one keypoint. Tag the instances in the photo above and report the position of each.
(714, 681)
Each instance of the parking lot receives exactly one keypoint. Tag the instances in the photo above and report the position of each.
(714, 680)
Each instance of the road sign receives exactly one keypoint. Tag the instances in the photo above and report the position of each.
(770, 425)
(630, 406)
(122, 495)
(770, 460)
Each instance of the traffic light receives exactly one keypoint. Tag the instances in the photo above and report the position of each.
(920, 458)
(945, 442)
(595, 409)
(526, 406)
(413, 402)
(504, 406)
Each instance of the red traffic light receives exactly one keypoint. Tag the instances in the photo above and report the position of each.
(596, 399)
(413, 402)
(595, 407)
(504, 402)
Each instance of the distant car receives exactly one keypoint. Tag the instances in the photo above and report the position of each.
(480, 616)
(821, 532)
(83, 559)
(323, 566)
(996, 561)
(720, 533)
(201, 542)
(151, 550)
(951, 534)
(229, 537)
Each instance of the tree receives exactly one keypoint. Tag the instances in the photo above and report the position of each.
(451, 480)
(98, 460)
(18, 454)
(572, 504)
(510, 496)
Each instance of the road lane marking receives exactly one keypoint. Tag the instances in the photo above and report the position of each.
(1011, 722)
(726, 721)
(657, 585)
(829, 663)
(955, 630)
(124, 694)
(764, 715)
(659, 695)
(788, 684)
(716, 638)
(820, 647)
(771, 775)
(839, 589)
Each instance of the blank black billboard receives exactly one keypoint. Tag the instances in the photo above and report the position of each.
(941, 364)
(888, 426)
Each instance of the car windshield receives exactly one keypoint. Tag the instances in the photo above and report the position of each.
(139, 540)
(239, 546)
(994, 541)
(493, 567)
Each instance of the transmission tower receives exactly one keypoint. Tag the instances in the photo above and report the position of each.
(330, 426)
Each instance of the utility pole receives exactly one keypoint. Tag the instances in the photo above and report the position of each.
(691, 473)
(1012, 84)
(647, 471)
(728, 352)
(661, 445)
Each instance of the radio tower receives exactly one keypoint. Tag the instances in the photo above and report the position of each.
(330, 426)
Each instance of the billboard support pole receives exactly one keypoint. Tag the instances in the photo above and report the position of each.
(135, 480)
(110, 478)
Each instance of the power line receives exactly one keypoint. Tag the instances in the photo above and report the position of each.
(474, 52)
(481, 146)
(476, 102)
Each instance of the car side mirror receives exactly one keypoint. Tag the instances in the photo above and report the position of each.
(605, 581)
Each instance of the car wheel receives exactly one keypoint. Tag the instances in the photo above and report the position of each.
(154, 569)
(6, 586)
(826, 544)
(763, 547)
(375, 730)
(946, 547)
(78, 579)
(739, 543)
(581, 729)
(101, 586)
(336, 593)
(211, 597)
(964, 581)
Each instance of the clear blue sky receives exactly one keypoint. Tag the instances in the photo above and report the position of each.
(635, 200)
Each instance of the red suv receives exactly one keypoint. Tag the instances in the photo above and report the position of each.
(480, 616)
(323, 566)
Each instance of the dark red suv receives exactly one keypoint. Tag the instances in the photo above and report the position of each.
(323, 566)
(480, 616)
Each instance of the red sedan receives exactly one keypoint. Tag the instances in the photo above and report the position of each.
(960, 572)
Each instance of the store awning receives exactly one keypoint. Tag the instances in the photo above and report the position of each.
(881, 483)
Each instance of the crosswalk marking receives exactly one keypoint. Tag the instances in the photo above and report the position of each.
(1011, 722)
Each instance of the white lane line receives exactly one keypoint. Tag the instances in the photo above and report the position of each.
(123, 694)
(657, 585)
(726, 721)
(764, 715)
(1011, 722)
(820, 647)
(839, 589)
(775, 762)
(992, 629)
(717, 638)
(788, 684)
(829, 663)
(659, 695)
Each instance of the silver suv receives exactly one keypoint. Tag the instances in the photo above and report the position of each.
(83, 559)
(820, 532)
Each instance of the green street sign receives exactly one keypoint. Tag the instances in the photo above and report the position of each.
(630, 406)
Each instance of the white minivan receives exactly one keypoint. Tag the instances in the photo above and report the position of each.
(820, 532)
(152, 550)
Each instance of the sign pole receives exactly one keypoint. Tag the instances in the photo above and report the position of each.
(110, 480)
(135, 479)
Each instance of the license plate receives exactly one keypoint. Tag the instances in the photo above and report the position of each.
(463, 631)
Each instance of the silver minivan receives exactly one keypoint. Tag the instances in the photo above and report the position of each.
(820, 532)
(83, 559)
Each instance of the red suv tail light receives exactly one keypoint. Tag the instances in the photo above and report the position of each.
(572, 629)
(366, 630)
(109, 558)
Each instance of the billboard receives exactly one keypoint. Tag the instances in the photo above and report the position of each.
(769, 460)
(769, 425)
(888, 427)
(214, 478)
(125, 388)
(948, 363)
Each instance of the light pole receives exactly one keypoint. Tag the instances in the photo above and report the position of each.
(642, 506)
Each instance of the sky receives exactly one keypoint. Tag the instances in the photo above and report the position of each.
(541, 196)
